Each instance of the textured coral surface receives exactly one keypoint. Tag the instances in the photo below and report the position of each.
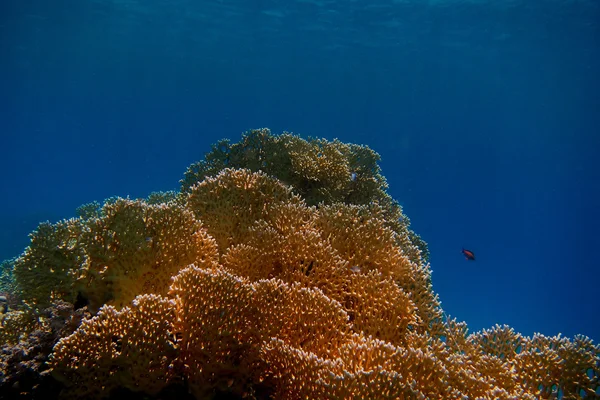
(282, 270)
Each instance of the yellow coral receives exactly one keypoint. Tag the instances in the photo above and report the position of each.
(131, 348)
(225, 333)
(231, 202)
(548, 364)
(317, 169)
(16, 324)
(379, 308)
(299, 300)
(210, 331)
(135, 248)
(49, 267)
(130, 248)
(354, 259)
(301, 317)
(223, 321)
(361, 236)
(322, 165)
(215, 331)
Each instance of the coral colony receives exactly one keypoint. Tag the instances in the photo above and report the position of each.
(281, 270)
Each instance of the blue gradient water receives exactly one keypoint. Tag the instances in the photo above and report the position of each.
(486, 115)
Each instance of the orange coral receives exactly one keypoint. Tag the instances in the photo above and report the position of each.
(223, 322)
(135, 248)
(231, 202)
(49, 267)
(14, 325)
(354, 259)
(361, 236)
(131, 348)
(317, 169)
(298, 300)
(291, 341)
(224, 333)
(210, 331)
(548, 364)
(214, 325)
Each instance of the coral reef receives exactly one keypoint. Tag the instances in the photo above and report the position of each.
(129, 248)
(281, 270)
(162, 197)
(131, 348)
(6, 276)
(8, 291)
(28, 341)
(49, 267)
(318, 170)
(135, 247)
(89, 210)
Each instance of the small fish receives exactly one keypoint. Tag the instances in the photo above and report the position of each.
(469, 255)
(355, 268)
(353, 176)
(310, 266)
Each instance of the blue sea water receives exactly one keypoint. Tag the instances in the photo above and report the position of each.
(486, 115)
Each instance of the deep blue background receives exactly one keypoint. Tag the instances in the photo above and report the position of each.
(486, 115)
